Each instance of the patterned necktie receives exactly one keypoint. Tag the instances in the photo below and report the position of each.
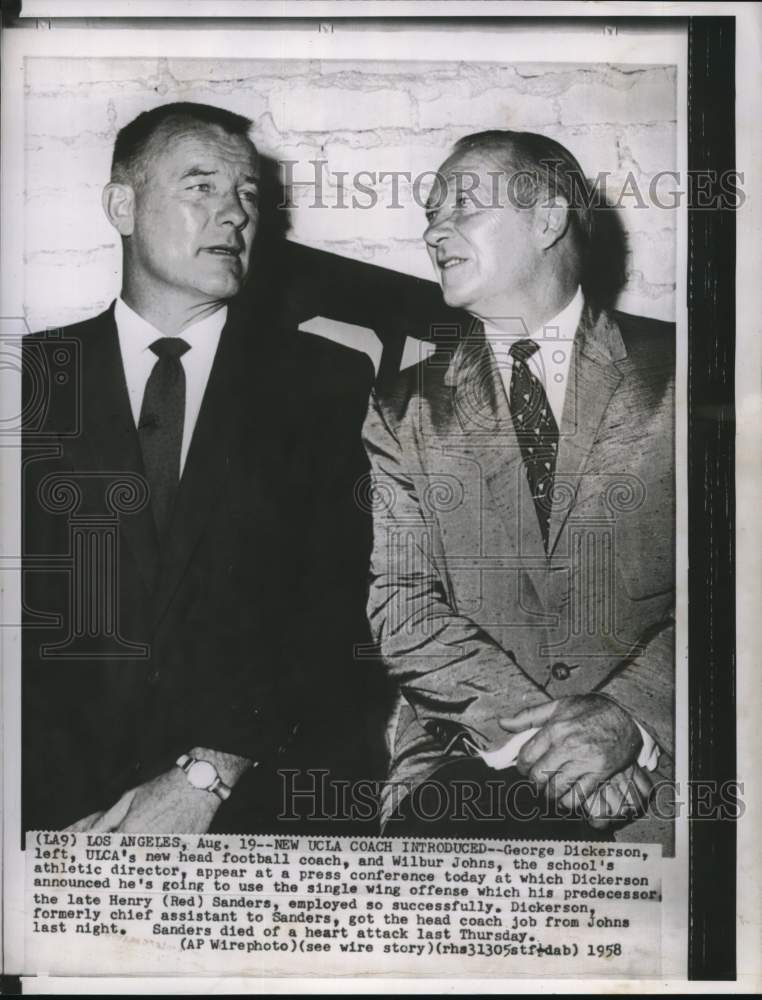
(160, 428)
(536, 430)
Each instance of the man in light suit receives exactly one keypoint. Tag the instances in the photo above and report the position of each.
(190, 535)
(522, 579)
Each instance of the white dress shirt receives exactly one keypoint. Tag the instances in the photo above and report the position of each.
(550, 364)
(135, 338)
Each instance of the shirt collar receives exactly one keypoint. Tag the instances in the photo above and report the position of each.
(137, 334)
(562, 326)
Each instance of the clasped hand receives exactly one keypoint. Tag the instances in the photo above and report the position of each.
(584, 756)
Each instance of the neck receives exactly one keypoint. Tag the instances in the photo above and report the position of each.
(169, 313)
(535, 305)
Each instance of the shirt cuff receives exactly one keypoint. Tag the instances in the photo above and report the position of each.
(506, 755)
(648, 757)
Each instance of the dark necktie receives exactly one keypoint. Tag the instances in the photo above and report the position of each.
(536, 430)
(160, 427)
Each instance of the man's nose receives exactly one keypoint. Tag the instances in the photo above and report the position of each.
(437, 230)
(232, 211)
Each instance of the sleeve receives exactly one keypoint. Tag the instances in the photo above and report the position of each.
(645, 686)
(331, 588)
(650, 752)
(333, 688)
(455, 677)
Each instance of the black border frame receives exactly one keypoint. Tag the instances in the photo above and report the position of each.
(711, 500)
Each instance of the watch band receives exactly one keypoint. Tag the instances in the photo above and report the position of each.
(185, 762)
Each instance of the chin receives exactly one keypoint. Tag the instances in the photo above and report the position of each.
(452, 297)
(456, 300)
(222, 289)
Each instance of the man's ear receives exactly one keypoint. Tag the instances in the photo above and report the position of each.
(118, 202)
(551, 221)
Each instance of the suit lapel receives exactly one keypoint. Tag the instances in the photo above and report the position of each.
(594, 378)
(216, 442)
(109, 440)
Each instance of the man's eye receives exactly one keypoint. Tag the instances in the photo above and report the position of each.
(251, 196)
(201, 186)
(434, 210)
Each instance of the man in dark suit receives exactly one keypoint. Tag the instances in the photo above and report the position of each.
(190, 535)
(522, 573)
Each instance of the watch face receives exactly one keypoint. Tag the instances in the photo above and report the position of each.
(201, 774)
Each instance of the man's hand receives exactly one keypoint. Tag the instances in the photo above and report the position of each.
(623, 797)
(167, 804)
(84, 824)
(584, 740)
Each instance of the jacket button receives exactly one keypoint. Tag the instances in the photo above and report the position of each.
(560, 671)
(153, 678)
(433, 729)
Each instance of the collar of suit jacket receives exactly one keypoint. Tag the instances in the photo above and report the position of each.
(598, 336)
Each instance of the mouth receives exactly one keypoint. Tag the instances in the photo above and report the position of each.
(224, 250)
(448, 263)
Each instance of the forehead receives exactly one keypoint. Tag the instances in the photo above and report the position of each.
(478, 170)
(485, 163)
(209, 146)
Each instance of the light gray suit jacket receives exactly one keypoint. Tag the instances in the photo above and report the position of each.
(474, 619)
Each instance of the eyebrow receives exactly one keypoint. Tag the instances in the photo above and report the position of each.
(197, 171)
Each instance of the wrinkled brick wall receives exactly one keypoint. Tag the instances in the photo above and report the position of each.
(356, 116)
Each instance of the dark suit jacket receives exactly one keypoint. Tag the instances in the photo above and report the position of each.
(243, 625)
(474, 619)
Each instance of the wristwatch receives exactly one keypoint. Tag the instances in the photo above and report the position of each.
(202, 774)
